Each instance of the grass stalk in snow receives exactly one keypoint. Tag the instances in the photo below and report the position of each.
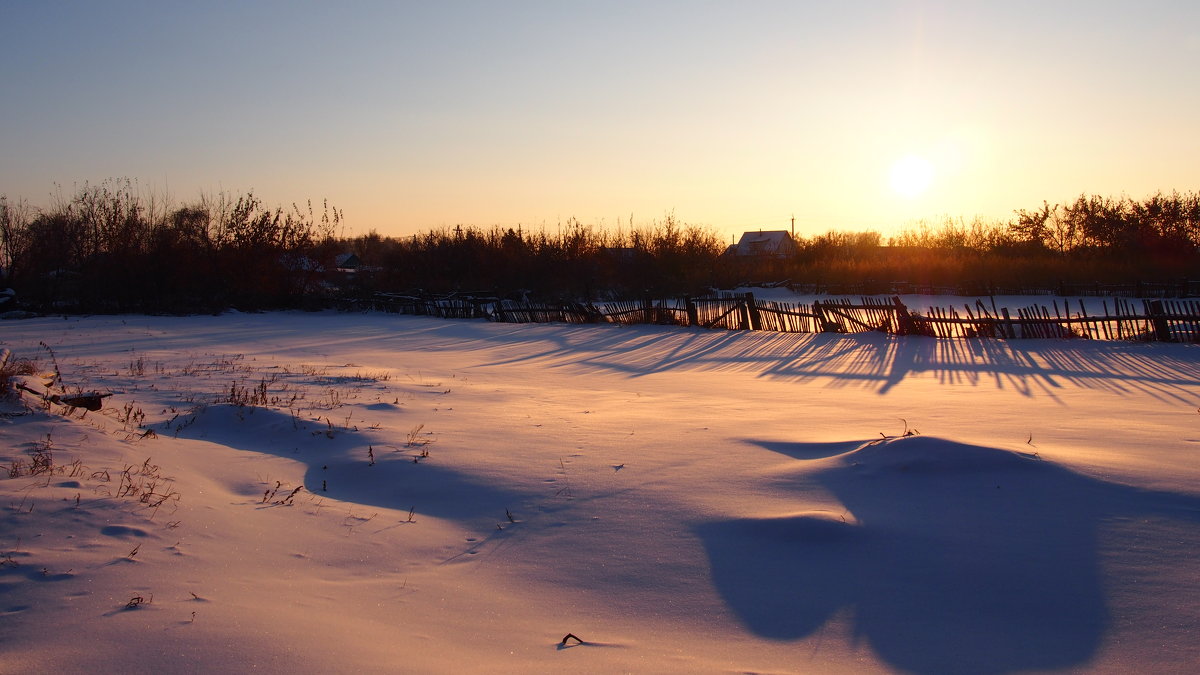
(11, 368)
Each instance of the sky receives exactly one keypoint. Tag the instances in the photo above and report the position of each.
(410, 116)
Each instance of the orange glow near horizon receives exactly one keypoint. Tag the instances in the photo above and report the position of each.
(410, 117)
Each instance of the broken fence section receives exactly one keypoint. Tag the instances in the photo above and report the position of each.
(1120, 319)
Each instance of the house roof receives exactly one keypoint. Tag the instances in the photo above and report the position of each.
(346, 260)
(765, 242)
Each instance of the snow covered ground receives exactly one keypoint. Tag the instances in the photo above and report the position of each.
(680, 500)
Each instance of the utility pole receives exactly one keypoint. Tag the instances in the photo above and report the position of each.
(793, 226)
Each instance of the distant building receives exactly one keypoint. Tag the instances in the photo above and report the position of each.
(347, 262)
(764, 243)
(621, 254)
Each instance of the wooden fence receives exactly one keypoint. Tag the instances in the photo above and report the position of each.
(1154, 320)
(1182, 288)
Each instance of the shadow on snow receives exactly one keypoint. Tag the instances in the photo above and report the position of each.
(871, 360)
(951, 557)
(339, 468)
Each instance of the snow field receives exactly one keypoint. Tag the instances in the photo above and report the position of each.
(681, 500)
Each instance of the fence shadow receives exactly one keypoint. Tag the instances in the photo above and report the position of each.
(869, 360)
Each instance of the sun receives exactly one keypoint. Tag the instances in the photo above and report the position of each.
(911, 176)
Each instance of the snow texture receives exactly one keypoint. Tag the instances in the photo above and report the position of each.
(323, 492)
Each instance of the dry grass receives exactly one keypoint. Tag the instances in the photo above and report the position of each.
(11, 368)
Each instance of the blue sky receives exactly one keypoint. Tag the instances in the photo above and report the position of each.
(410, 116)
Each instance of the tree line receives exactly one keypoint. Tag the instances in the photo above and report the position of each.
(1093, 239)
(107, 248)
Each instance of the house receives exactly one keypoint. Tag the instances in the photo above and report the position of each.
(622, 254)
(764, 243)
(347, 262)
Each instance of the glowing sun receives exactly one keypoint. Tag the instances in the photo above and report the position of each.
(911, 176)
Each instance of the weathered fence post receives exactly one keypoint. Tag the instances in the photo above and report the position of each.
(594, 315)
(1010, 330)
(1158, 316)
(693, 314)
(752, 313)
(823, 321)
(904, 322)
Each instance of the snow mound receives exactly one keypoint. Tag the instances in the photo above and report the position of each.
(929, 454)
(268, 430)
(946, 556)
(335, 463)
(224, 421)
(810, 527)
